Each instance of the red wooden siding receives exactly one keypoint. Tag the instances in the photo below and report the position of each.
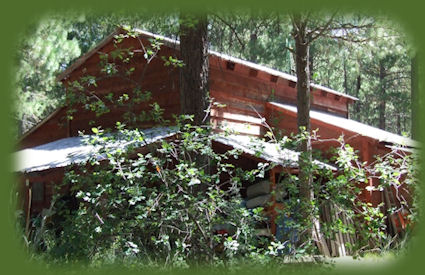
(52, 128)
(240, 94)
(50, 178)
(243, 90)
(366, 147)
(260, 87)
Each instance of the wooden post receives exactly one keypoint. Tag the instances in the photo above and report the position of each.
(367, 195)
(389, 216)
(27, 222)
(273, 206)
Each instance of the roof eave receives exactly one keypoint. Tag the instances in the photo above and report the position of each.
(404, 142)
(79, 61)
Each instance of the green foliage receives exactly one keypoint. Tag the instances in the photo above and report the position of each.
(49, 46)
(339, 193)
(158, 205)
(43, 51)
(337, 60)
(346, 58)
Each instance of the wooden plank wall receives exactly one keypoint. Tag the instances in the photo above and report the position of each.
(241, 94)
(243, 90)
(52, 128)
(328, 136)
(161, 81)
(49, 178)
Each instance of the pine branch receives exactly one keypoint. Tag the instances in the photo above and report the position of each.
(320, 30)
(235, 33)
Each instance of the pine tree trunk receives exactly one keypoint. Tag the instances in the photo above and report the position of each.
(357, 104)
(398, 123)
(312, 224)
(382, 94)
(194, 91)
(303, 117)
(345, 84)
(253, 47)
(414, 96)
(381, 109)
(194, 74)
(310, 62)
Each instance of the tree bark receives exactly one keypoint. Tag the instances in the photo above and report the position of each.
(398, 123)
(311, 53)
(303, 115)
(194, 98)
(414, 96)
(253, 47)
(358, 87)
(303, 103)
(194, 74)
(382, 95)
(345, 84)
(310, 220)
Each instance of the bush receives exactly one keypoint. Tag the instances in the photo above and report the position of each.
(159, 205)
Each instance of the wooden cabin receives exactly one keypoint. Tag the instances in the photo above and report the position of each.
(244, 87)
(247, 96)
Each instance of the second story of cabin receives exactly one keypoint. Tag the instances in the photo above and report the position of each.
(146, 65)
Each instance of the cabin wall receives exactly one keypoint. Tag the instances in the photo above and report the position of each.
(160, 80)
(50, 179)
(255, 88)
(239, 102)
(239, 93)
(328, 136)
(55, 127)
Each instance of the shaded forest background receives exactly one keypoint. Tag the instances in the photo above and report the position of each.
(373, 63)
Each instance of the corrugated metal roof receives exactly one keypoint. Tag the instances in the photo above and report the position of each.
(269, 151)
(353, 126)
(74, 150)
(67, 151)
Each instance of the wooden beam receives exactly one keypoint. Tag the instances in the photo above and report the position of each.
(365, 154)
(273, 201)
